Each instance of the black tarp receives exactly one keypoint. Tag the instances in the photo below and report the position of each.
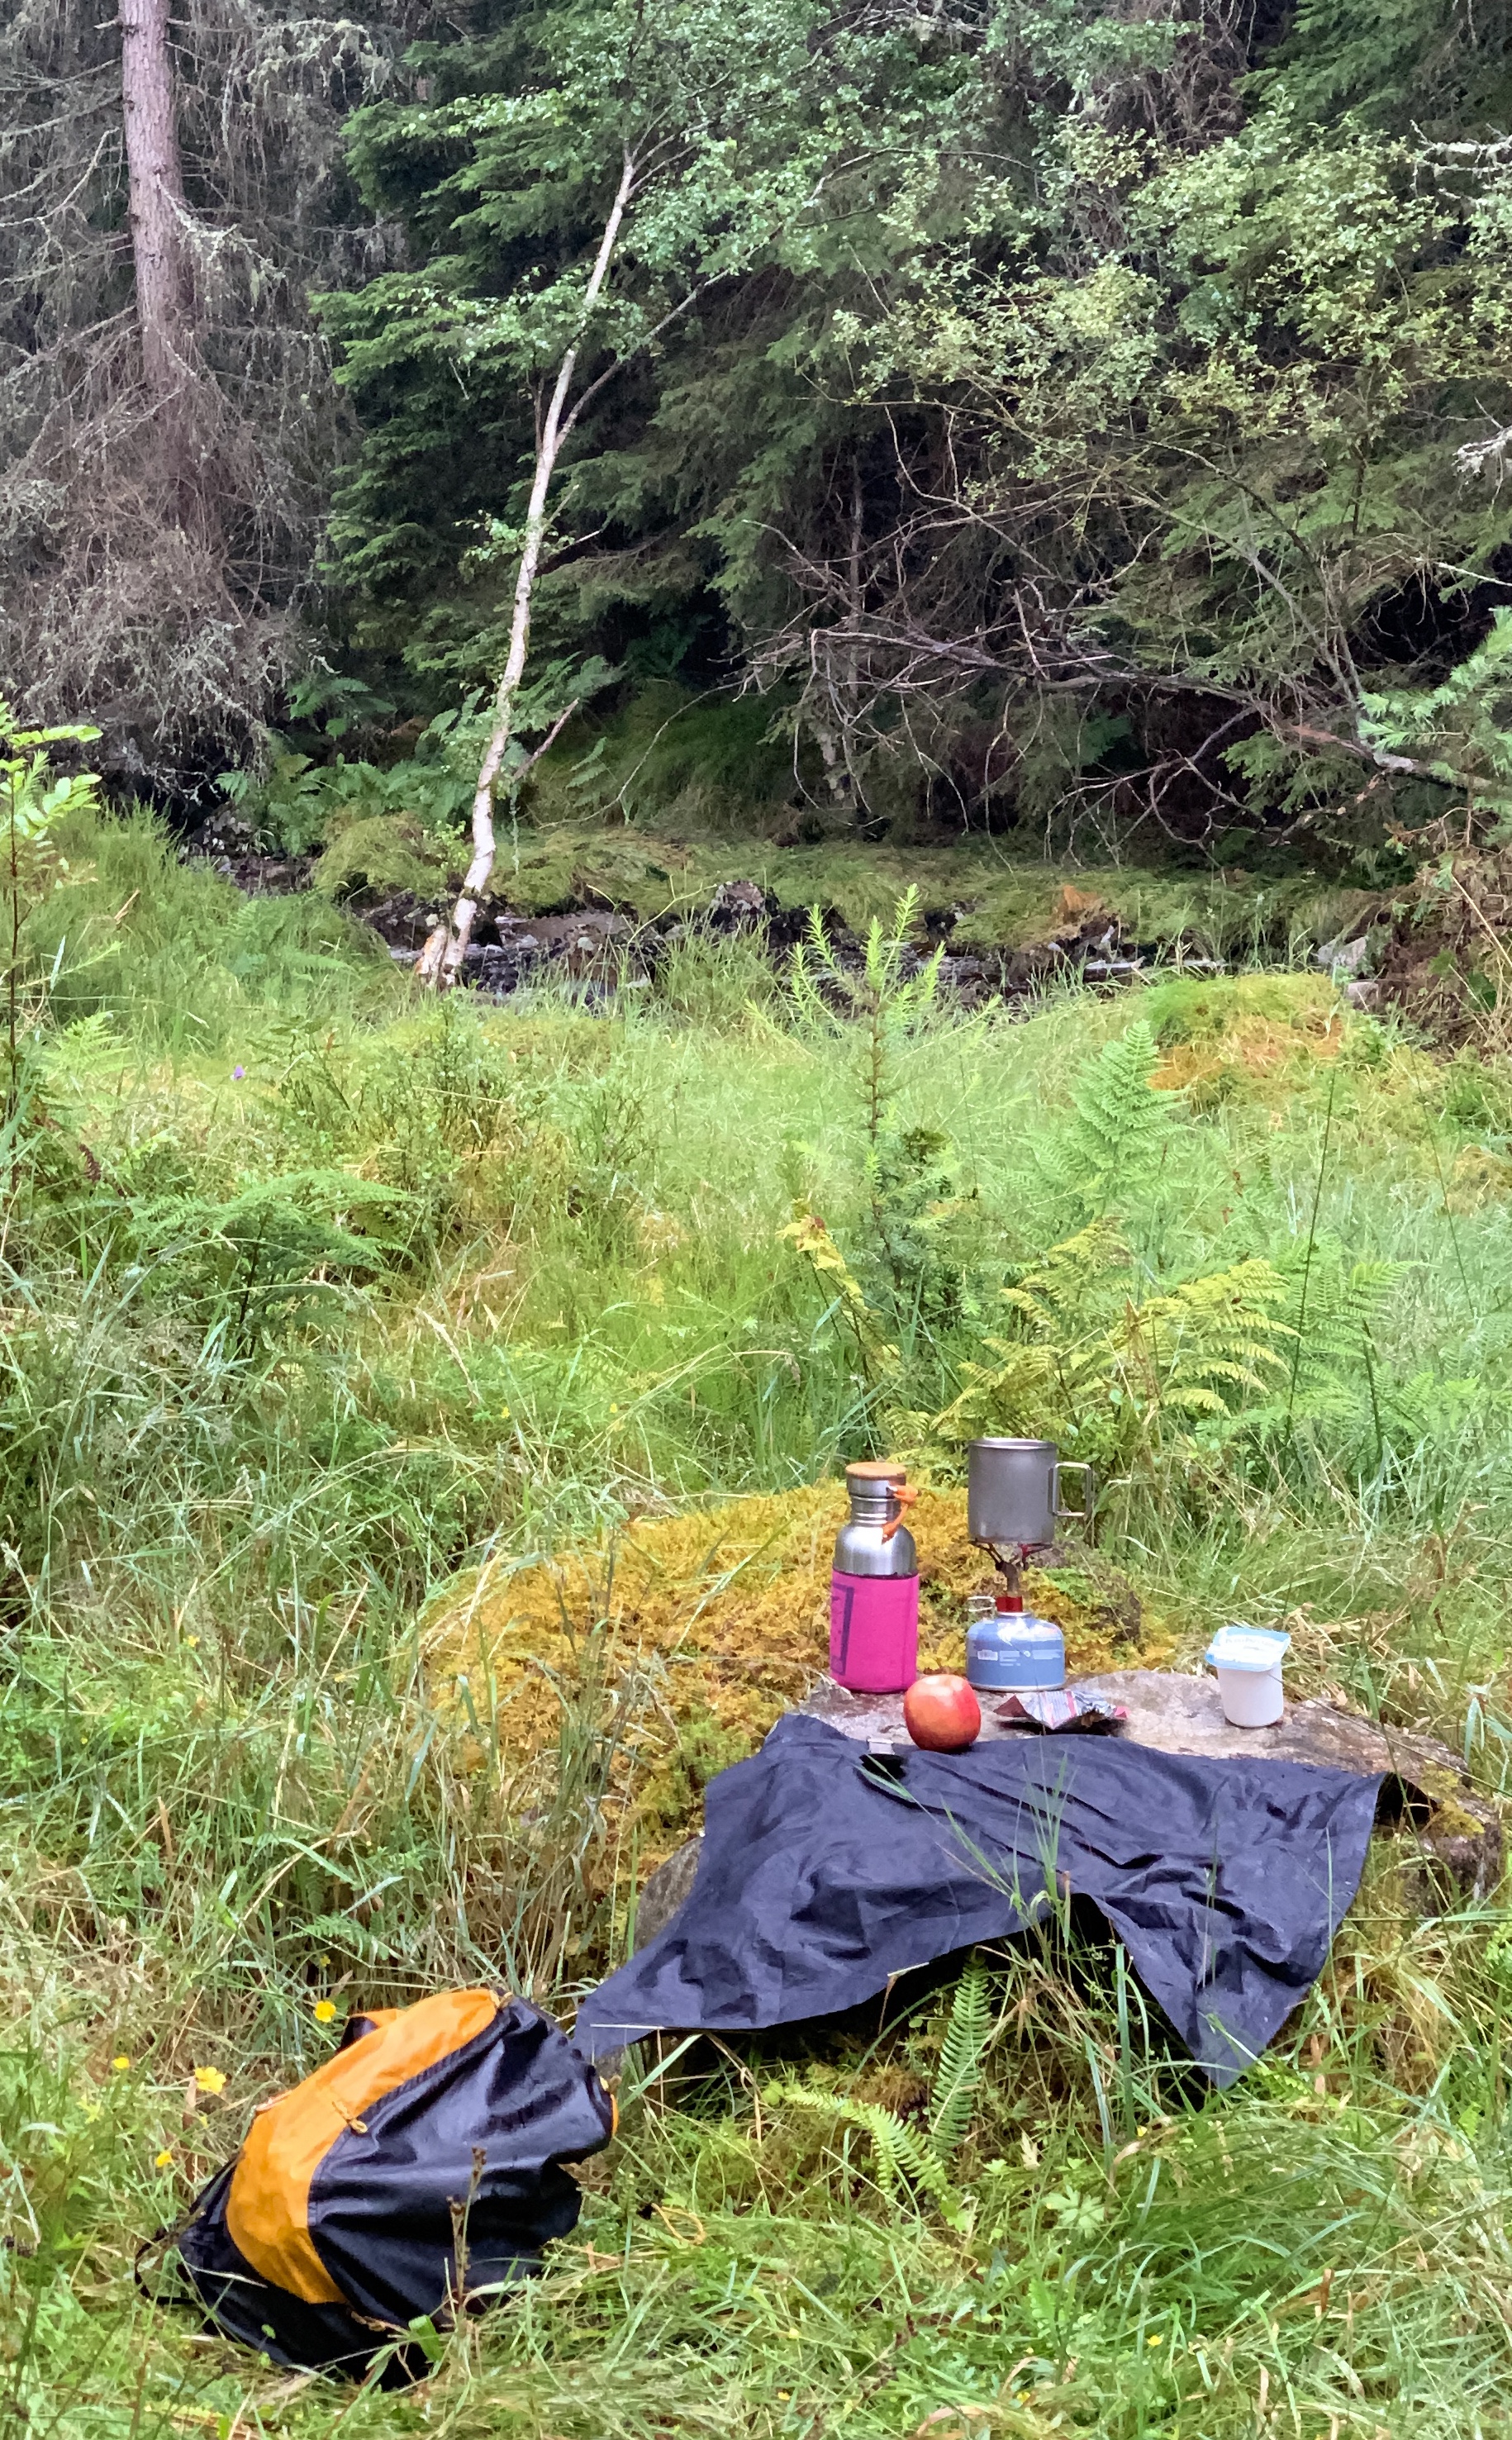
(826, 1870)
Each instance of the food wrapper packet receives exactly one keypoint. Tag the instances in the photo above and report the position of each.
(1049, 1710)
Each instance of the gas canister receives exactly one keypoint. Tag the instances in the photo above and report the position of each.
(1010, 1651)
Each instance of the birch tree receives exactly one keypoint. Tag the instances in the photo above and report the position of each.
(444, 953)
(694, 147)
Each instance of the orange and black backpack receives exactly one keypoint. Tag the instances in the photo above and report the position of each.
(336, 2228)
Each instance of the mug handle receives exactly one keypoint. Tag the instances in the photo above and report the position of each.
(1082, 1515)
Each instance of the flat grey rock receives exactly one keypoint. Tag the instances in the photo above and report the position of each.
(1426, 1794)
(1181, 1714)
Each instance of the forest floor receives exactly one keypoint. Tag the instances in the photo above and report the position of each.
(674, 805)
(324, 1306)
(994, 910)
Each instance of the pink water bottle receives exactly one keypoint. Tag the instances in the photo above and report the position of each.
(874, 1589)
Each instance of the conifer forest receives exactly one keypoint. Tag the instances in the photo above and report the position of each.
(739, 740)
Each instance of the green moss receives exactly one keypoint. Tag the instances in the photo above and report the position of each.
(1205, 1008)
(379, 854)
(663, 864)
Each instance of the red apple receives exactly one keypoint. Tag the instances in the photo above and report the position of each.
(942, 1714)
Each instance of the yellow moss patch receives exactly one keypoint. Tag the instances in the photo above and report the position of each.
(1477, 1174)
(1253, 1059)
(1252, 1037)
(725, 1613)
(1075, 906)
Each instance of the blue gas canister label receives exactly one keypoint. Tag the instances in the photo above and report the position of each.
(1015, 1650)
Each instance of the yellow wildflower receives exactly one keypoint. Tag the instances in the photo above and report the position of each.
(164, 2160)
(325, 2011)
(120, 2064)
(210, 2079)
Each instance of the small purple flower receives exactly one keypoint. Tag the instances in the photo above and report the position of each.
(236, 1074)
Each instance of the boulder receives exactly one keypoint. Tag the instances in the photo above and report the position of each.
(666, 1889)
(1345, 958)
(1426, 1796)
(736, 904)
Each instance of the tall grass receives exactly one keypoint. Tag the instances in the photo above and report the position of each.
(283, 1350)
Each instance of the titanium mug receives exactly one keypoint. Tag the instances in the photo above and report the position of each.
(1012, 1494)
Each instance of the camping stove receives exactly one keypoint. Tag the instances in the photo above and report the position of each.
(1012, 1506)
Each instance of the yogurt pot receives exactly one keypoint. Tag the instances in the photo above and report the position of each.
(1247, 1663)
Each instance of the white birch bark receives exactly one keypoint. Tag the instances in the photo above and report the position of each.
(441, 959)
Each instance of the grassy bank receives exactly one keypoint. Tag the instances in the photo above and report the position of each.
(318, 1298)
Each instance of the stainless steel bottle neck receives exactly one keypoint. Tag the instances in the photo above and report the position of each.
(864, 1551)
(871, 1542)
(871, 1503)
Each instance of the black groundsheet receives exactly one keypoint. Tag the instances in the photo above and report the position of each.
(825, 1871)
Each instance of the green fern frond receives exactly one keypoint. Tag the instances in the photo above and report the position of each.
(959, 2079)
(900, 2157)
(1096, 1368)
(1067, 1277)
(921, 2164)
(1195, 1401)
(1115, 1137)
(1332, 1307)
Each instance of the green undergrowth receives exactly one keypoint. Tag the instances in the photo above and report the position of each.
(650, 810)
(656, 805)
(314, 1293)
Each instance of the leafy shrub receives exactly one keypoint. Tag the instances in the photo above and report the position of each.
(919, 1262)
(297, 802)
(1132, 1380)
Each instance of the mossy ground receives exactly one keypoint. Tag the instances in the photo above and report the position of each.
(337, 1323)
(726, 1610)
(649, 811)
(992, 895)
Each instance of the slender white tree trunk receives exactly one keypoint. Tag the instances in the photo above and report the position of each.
(441, 957)
(156, 174)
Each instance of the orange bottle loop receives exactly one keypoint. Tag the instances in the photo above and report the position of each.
(904, 1494)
